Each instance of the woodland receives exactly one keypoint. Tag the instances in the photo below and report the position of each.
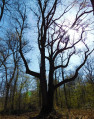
(47, 59)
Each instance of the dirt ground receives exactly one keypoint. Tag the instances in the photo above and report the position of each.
(73, 114)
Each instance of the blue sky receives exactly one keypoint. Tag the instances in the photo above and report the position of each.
(32, 36)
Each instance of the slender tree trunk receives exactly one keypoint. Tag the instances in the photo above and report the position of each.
(14, 89)
(40, 102)
(56, 92)
(6, 97)
(19, 103)
(47, 95)
(65, 92)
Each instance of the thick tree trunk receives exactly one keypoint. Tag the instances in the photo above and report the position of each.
(50, 93)
(43, 82)
(44, 96)
(46, 110)
(49, 101)
(47, 94)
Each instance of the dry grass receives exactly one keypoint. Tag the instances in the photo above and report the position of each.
(78, 114)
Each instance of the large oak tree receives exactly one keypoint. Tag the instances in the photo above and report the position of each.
(53, 39)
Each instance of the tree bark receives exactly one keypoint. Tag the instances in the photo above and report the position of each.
(49, 107)
(50, 99)
(47, 95)
(13, 95)
(43, 83)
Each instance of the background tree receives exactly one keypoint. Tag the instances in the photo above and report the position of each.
(11, 53)
(89, 70)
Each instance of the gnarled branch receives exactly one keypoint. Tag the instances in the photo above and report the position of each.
(28, 71)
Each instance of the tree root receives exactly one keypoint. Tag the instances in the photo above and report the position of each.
(52, 115)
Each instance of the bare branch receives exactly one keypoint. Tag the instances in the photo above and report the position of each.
(79, 16)
(64, 66)
(25, 62)
(67, 9)
(76, 72)
(2, 9)
(92, 2)
(66, 48)
(40, 5)
(51, 13)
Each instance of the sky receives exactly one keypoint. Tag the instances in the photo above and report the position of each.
(32, 36)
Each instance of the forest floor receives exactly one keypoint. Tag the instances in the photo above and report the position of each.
(72, 114)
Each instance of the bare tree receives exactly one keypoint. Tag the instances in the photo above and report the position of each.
(53, 40)
(14, 88)
(10, 73)
(89, 70)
